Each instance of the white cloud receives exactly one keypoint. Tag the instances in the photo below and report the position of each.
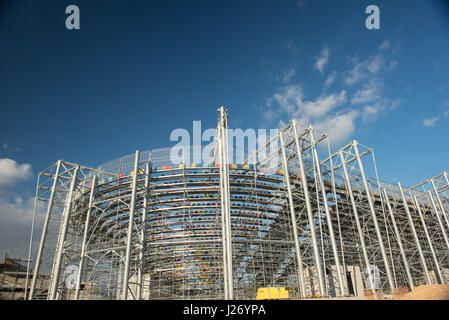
(372, 100)
(12, 172)
(19, 210)
(339, 126)
(364, 69)
(445, 104)
(289, 99)
(322, 60)
(385, 45)
(330, 79)
(268, 114)
(369, 92)
(376, 64)
(288, 75)
(323, 113)
(360, 98)
(16, 219)
(430, 122)
(322, 106)
(370, 112)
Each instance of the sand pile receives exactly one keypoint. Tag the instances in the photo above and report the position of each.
(428, 292)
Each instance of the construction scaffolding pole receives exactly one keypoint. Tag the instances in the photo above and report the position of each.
(226, 204)
(356, 217)
(316, 252)
(132, 207)
(440, 223)
(85, 237)
(440, 203)
(373, 214)
(44, 230)
(26, 297)
(62, 236)
(398, 236)
(326, 209)
(143, 223)
(415, 235)
(293, 217)
(429, 241)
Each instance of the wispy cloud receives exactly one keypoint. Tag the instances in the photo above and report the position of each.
(385, 45)
(288, 75)
(359, 95)
(430, 122)
(324, 112)
(368, 93)
(446, 105)
(7, 150)
(330, 79)
(322, 59)
(365, 69)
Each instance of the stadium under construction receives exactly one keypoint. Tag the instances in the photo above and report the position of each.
(320, 223)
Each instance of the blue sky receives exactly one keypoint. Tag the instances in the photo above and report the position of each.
(137, 70)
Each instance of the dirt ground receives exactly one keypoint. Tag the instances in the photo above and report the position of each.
(428, 292)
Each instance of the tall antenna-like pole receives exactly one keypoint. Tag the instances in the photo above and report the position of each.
(225, 203)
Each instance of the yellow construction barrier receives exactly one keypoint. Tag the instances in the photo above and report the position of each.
(275, 293)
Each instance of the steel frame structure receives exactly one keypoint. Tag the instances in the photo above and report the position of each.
(143, 228)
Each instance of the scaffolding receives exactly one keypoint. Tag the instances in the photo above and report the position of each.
(13, 275)
(317, 224)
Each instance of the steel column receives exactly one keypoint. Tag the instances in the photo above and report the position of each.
(26, 297)
(356, 217)
(440, 203)
(328, 216)
(398, 236)
(85, 237)
(415, 235)
(373, 214)
(143, 223)
(429, 241)
(293, 219)
(443, 230)
(44, 230)
(226, 203)
(62, 236)
(130, 227)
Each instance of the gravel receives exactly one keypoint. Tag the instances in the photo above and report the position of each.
(428, 292)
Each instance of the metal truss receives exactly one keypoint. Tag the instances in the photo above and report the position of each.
(315, 222)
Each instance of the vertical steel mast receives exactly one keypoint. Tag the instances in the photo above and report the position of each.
(225, 203)
(132, 207)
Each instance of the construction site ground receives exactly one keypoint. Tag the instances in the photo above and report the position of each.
(423, 292)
